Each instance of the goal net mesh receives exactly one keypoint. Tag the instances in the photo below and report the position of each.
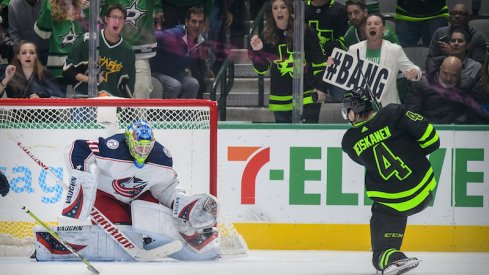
(187, 128)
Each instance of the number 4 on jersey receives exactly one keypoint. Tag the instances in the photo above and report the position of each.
(389, 164)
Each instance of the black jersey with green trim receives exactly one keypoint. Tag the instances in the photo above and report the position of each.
(392, 146)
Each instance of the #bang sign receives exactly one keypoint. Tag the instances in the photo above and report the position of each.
(348, 72)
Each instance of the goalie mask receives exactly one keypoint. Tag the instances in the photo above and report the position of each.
(358, 100)
(140, 140)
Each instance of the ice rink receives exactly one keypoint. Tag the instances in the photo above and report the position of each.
(261, 262)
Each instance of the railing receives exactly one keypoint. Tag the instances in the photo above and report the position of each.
(255, 29)
(225, 77)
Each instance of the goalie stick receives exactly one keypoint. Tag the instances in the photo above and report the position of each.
(118, 236)
(56, 236)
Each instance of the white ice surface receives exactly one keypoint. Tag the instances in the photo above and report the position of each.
(261, 262)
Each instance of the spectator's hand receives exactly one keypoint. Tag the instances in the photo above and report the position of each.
(229, 19)
(256, 43)
(101, 77)
(411, 74)
(444, 47)
(84, 4)
(321, 96)
(9, 72)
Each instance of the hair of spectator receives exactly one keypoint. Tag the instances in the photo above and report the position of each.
(116, 7)
(378, 15)
(360, 3)
(463, 31)
(194, 10)
(270, 29)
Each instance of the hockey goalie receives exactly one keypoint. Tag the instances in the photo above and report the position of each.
(134, 186)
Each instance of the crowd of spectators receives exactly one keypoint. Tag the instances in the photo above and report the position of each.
(43, 46)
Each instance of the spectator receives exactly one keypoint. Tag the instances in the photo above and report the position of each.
(6, 48)
(330, 22)
(273, 51)
(445, 97)
(139, 33)
(179, 49)
(59, 24)
(481, 90)
(459, 18)
(22, 16)
(357, 13)
(116, 59)
(459, 45)
(226, 30)
(27, 77)
(175, 10)
(386, 54)
(419, 19)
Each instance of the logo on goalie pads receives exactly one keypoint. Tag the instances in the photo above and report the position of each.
(200, 240)
(74, 208)
(54, 246)
(185, 213)
(129, 187)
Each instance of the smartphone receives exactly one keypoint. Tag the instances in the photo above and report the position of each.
(443, 39)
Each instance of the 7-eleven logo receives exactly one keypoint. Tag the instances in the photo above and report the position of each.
(256, 158)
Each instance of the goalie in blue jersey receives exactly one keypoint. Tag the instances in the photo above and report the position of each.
(129, 178)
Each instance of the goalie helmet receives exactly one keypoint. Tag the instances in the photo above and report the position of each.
(358, 100)
(140, 140)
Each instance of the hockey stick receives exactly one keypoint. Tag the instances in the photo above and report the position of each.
(118, 236)
(55, 235)
(369, 89)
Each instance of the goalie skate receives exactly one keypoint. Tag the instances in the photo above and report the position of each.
(401, 266)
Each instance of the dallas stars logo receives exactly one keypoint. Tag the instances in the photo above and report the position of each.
(68, 38)
(322, 33)
(134, 14)
(285, 66)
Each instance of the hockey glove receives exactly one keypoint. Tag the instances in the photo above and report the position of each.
(199, 211)
(4, 185)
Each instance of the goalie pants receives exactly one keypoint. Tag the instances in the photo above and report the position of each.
(117, 211)
(387, 228)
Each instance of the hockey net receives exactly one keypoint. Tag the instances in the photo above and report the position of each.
(188, 128)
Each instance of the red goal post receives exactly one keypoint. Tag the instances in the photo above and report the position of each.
(188, 128)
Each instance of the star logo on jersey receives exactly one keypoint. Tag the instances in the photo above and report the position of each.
(364, 129)
(110, 66)
(129, 187)
(68, 38)
(285, 66)
(323, 39)
(134, 14)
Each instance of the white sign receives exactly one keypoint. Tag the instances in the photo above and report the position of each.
(348, 72)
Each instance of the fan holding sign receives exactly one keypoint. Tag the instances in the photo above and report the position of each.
(379, 60)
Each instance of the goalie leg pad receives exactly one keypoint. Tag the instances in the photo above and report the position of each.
(89, 241)
(156, 221)
(80, 196)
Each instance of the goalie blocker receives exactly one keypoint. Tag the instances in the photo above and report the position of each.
(153, 225)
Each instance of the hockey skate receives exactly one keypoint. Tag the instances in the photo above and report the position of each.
(401, 266)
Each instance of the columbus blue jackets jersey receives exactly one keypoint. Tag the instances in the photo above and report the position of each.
(116, 174)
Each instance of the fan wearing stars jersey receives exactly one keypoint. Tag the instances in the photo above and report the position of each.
(139, 33)
(116, 59)
(62, 26)
(273, 51)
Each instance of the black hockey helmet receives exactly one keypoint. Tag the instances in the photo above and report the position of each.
(358, 100)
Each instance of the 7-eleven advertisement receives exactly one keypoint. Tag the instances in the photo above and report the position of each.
(279, 178)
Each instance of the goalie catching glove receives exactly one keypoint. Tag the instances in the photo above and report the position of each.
(197, 211)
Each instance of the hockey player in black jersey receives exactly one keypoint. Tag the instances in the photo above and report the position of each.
(392, 144)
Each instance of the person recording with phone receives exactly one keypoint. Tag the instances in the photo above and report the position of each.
(459, 18)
